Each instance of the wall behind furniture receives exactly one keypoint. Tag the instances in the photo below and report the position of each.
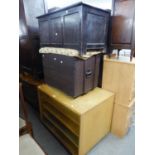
(104, 4)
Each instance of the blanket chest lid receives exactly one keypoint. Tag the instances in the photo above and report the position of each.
(74, 5)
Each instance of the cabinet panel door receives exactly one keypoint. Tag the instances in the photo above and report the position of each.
(72, 29)
(95, 28)
(122, 22)
(44, 31)
(56, 31)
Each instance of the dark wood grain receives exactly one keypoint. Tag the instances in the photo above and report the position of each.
(122, 26)
(71, 75)
(79, 26)
(29, 58)
(122, 22)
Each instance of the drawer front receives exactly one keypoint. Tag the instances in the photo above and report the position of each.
(46, 100)
(57, 60)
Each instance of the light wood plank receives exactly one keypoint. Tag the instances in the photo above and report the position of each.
(121, 119)
(119, 77)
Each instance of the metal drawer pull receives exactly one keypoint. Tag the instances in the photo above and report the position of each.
(88, 73)
(56, 34)
(61, 62)
(55, 59)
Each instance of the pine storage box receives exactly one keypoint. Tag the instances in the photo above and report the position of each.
(78, 123)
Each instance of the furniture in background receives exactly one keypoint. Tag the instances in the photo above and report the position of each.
(78, 123)
(119, 77)
(30, 89)
(122, 34)
(79, 26)
(24, 125)
(27, 144)
(29, 58)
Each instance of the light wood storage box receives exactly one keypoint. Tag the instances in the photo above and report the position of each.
(121, 121)
(119, 77)
(78, 123)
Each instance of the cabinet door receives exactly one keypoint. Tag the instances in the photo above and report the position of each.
(56, 31)
(96, 27)
(44, 31)
(122, 22)
(72, 30)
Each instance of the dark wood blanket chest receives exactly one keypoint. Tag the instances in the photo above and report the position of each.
(72, 75)
(79, 26)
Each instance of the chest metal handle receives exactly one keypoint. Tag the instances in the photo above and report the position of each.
(88, 73)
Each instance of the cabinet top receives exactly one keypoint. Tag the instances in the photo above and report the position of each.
(81, 104)
(74, 5)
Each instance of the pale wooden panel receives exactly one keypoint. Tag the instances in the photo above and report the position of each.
(95, 124)
(121, 119)
(91, 113)
(118, 77)
(80, 104)
(90, 100)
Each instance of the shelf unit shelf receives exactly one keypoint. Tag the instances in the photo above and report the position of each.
(79, 123)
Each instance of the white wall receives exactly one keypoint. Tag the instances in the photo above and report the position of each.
(104, 4)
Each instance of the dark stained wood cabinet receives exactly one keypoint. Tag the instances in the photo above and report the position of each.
(72, 75)
(122, 25)
(29, 57)
(78, 26)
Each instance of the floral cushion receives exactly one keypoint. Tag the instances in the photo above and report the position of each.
(68, 52)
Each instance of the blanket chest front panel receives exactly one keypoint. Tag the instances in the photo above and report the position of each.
(78, 123)
(79, 26)
(71, 75)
